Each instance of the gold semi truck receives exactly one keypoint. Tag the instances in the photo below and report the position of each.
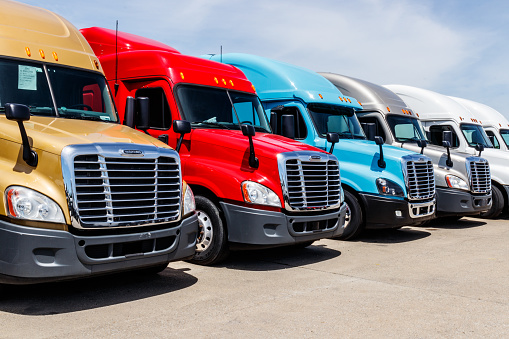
(81, 193)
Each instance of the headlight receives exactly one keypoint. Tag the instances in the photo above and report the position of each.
(255, 193)
(455, 182)
(189, 204)
(25, 203)
(342, 196)
(388, 187)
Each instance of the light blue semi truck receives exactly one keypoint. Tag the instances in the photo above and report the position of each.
(385, 186)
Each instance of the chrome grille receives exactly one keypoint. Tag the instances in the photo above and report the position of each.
(420, 179)
(312, 184)
(109, 189)
(479, 175)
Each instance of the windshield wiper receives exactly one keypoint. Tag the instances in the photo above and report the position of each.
(210, 123)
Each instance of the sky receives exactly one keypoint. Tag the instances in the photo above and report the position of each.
(454, 47)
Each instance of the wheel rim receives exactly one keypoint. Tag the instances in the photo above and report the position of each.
(348, 215)
(205, 231)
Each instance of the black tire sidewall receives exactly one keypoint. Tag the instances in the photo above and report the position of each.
(497, 204)
(218, 248)
(356, 225)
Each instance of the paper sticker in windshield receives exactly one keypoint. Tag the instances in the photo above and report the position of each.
(27, 77)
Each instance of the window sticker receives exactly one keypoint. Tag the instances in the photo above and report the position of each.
(27, 77)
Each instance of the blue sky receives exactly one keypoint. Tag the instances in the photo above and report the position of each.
(455, 47)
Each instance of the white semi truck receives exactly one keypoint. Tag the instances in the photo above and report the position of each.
(440, 113)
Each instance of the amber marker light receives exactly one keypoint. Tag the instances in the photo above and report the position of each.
(388, 109)
(340, 98)
(182, 75)
(215, 79)
(350, 101)
(224, 82)
(359, 103)
(321, 96)
(254, 89)
(41, 52)
(55, 56)
(231, 83)
(96, 63)
(27, 51)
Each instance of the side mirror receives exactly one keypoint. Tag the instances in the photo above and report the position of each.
(20, 113)
(288, 126)
(380, 141)
(422, 143)
(369, 129)
(332, 138)
(143, 110)
(447, 142)
(181, 127)
(129, 112)
(249, 131)
(480, 148)
(447, 136)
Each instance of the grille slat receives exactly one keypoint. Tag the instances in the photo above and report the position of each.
(420, 180)
(312, 185)
(479, 175)
(117, 191)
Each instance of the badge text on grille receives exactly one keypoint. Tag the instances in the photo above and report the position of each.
(131, 153)
(315, 158)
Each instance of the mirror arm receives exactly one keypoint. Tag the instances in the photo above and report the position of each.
(253, 160)
(449, 160)
(29, 155)
(381, 161)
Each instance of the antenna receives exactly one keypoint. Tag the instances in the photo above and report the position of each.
(221, 57)
(116, 59)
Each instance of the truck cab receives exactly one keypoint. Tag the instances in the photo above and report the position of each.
(439, 113)
(457, 185)
(385, 187)
(494, 123)
(78, 189)
(253, 189)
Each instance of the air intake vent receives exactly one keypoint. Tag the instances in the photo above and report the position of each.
(479, 175)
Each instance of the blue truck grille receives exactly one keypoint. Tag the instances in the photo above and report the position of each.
(420, 180)
(313, 184)
(116, 191)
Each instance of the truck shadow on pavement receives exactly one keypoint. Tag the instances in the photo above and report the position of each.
(279, 258)
(90, 293)
(462, 223)
(393, 236)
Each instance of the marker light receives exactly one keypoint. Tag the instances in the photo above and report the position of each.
(254, 89)
(231, 83)
(321, 96)
(182, 75)
(96, 63)
(359, 103)
(41, 52)
(55, 56)
(388, 109)
(340, 98)
(27, 50)
(350, 101)
(215, 79)
(224, 82)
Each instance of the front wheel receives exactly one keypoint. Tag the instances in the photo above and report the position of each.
(497, 204)
(212, 241)
(354, 224)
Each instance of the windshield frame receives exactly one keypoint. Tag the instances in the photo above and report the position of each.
(487, 142)
(261, 114)
(419, 127)
(349, 118)
(51, 92)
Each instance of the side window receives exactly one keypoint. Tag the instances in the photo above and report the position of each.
(379, 131)
(435, 135)
(160, 115)
(493, 139)
(300, 126)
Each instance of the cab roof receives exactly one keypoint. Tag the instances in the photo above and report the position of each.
(276, 80)
(486, 115)
(370, 96)
(142, 57)
(431, 105)
(36, 34)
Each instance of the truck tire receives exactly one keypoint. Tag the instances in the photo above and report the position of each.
(354, 223)
(497, 204)
(212, 241)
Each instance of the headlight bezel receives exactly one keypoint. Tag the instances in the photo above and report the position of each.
(267, 197)
(388, 187)
(456, 182)
(38, 203)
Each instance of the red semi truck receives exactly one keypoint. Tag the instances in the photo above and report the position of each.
(252, 188)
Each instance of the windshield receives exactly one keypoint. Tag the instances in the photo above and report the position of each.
(78, 94)
(505, 135)
(207, 107)
(475, 134)
(406, 129)
(336, 119)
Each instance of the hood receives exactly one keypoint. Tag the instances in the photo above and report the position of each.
(265, 144)
(360, 148)
(53, 134)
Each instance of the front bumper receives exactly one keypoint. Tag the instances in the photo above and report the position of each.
(250, 227)
(382, 212)
(452, 201)
(31, 255)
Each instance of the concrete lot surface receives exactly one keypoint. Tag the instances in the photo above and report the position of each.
(443, 280)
